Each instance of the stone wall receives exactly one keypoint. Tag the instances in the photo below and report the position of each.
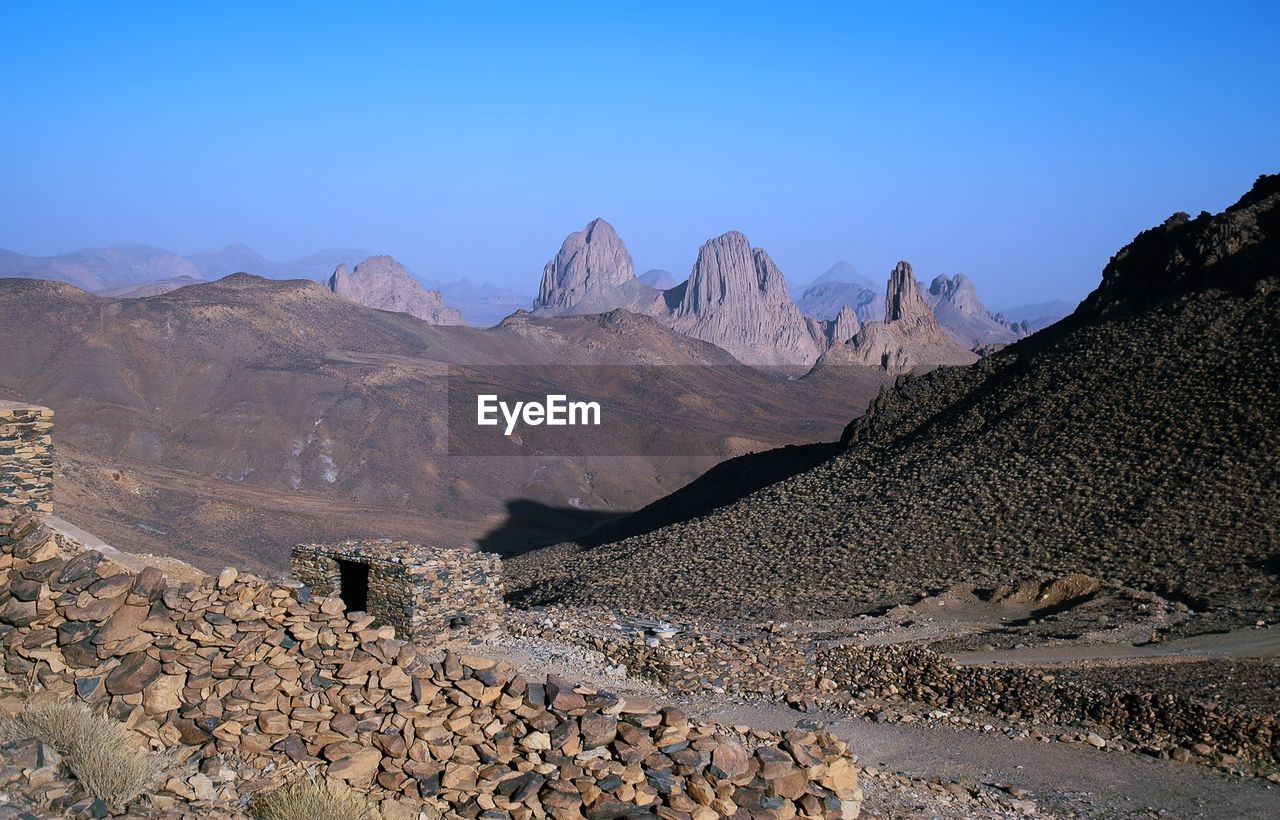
(426, 593)
(767, 662)
(26, 455)
(1162, 720)
(244, 677)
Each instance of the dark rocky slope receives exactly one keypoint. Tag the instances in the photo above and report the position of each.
(1136, 441)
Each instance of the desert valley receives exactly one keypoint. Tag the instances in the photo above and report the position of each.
(927, 465)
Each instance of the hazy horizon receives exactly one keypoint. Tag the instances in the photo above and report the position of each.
(1009, 143)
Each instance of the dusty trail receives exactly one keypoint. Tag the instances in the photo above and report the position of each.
(1240, 643)
(1064, 779)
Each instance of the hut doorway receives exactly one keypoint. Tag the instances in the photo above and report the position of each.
(355, 585)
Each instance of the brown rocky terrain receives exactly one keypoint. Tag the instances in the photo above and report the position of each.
(231, 684)
(381, 282)
(1134, 441)
(226, 421)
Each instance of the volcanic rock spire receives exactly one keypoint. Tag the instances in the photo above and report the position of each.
(736, 298)
(591, 263)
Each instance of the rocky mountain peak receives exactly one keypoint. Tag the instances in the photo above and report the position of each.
(383, 283)
(729, 270)
(909, 338)
(959, 291)
(591, 262)
(954, 301)
(736, 298)
(845, 326)
(902, 301)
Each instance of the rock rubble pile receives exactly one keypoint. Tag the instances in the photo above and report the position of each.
(248, 676)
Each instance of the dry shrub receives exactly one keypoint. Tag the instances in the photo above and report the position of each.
(108, 759)
(311, 800)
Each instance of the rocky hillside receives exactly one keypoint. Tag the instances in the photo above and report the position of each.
(381, 282)
(961, 313)
(910, 337)
(1135, 440)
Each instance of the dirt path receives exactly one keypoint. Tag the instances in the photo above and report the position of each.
(1062, 778)
(177, 571)
(1241, 643)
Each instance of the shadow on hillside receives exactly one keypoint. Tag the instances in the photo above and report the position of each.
(722, 485)
(532, 524)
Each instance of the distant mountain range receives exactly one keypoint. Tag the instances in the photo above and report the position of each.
(381, 282)
(735, 296)
(134, 271)
(954, 300)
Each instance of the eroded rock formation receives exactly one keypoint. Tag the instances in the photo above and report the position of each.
(736, 298)
(909, 337)
(592, 273)
(961, 313)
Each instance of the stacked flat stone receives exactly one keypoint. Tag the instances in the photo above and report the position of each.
(1164, 722)
(428, 594)
(26, 455)
(248, 676)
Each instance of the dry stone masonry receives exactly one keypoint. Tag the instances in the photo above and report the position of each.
(26, 455)
(241, 677)
(426, 593)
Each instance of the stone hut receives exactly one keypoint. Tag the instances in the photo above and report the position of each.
(426, 593)
(26, 455)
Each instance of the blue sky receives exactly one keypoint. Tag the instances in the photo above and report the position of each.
(1019, 143)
